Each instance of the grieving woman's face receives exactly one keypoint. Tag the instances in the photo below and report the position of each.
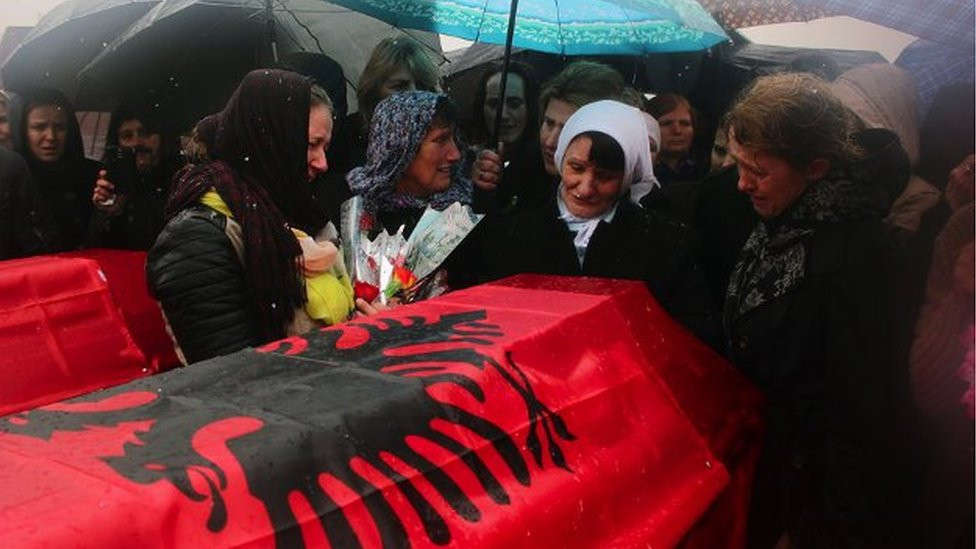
(771, 182)
(47, 132)
(319, 139)
(588, 190)
(430, 170)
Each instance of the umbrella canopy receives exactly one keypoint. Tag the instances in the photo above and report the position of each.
(948, 22)
(737, 14)
(65, 39)
(626, 27)
(184, 57)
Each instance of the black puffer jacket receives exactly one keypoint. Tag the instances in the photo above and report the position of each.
(196, 275)
(26, 226)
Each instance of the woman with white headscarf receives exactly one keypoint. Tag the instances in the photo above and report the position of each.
(593, 225)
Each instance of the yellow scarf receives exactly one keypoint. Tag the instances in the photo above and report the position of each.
(327, 287)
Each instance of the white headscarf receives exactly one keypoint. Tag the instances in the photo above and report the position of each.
(653, 131)
(625, 125)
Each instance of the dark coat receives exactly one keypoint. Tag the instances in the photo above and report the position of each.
(195, 274)
(822, 354)
(524, 184)
(723, 218)
(66, 185)
(141, 219)
(26, 226)
(636, 245)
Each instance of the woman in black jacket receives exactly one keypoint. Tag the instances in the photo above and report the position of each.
(235, 265)
(592, 225)
(808, 319)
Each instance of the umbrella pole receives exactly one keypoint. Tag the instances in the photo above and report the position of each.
(270, 22)
(495, 137)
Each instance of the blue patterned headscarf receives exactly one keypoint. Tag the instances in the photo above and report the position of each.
(399, 125)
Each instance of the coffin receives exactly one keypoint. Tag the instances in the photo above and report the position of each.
(74, 323)
(533, 412)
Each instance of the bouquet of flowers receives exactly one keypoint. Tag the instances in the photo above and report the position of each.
(393, 266)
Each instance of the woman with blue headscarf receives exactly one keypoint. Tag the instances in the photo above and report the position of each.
(413, 161)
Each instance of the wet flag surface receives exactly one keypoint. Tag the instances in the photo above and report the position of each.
(536, 411)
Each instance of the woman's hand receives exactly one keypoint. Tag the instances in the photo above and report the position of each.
(365, 308)
(104, 196)
(487, 169)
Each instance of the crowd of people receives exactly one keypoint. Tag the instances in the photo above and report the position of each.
(822, 240)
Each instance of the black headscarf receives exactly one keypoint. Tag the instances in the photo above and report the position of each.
(65, 185)
(260, 171)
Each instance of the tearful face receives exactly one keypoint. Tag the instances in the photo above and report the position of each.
(319, 139)
(47, 132)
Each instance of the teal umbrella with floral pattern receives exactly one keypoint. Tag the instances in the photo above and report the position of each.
(567, 27)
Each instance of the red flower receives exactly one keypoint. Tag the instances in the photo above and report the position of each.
(365, 291)
(365, 222)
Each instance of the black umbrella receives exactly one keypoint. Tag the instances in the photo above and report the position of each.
(67, 38)
(184, 57)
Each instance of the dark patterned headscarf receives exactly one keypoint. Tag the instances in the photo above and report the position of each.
(259, 146)
(399, 125)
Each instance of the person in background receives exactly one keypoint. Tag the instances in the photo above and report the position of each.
(593, 226)
(130, 216)
(676, 160)
(245, 257)
(26, 226)
(520, 108)
(5, 139)
(941, 367)
(808, 317)
(720, 157)
(45, 132)
(396, 65)
(532, 180)
(678, 166)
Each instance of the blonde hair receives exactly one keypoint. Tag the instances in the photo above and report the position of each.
(389, 56)
(793, 116)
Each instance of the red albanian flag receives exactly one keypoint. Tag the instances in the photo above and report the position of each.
(540, 412)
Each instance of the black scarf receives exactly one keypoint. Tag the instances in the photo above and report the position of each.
(773, 261)
(259, 171)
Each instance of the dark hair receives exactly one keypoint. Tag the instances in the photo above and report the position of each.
(20, 107)
(480, 130)
(605, 152)
(124, 113)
